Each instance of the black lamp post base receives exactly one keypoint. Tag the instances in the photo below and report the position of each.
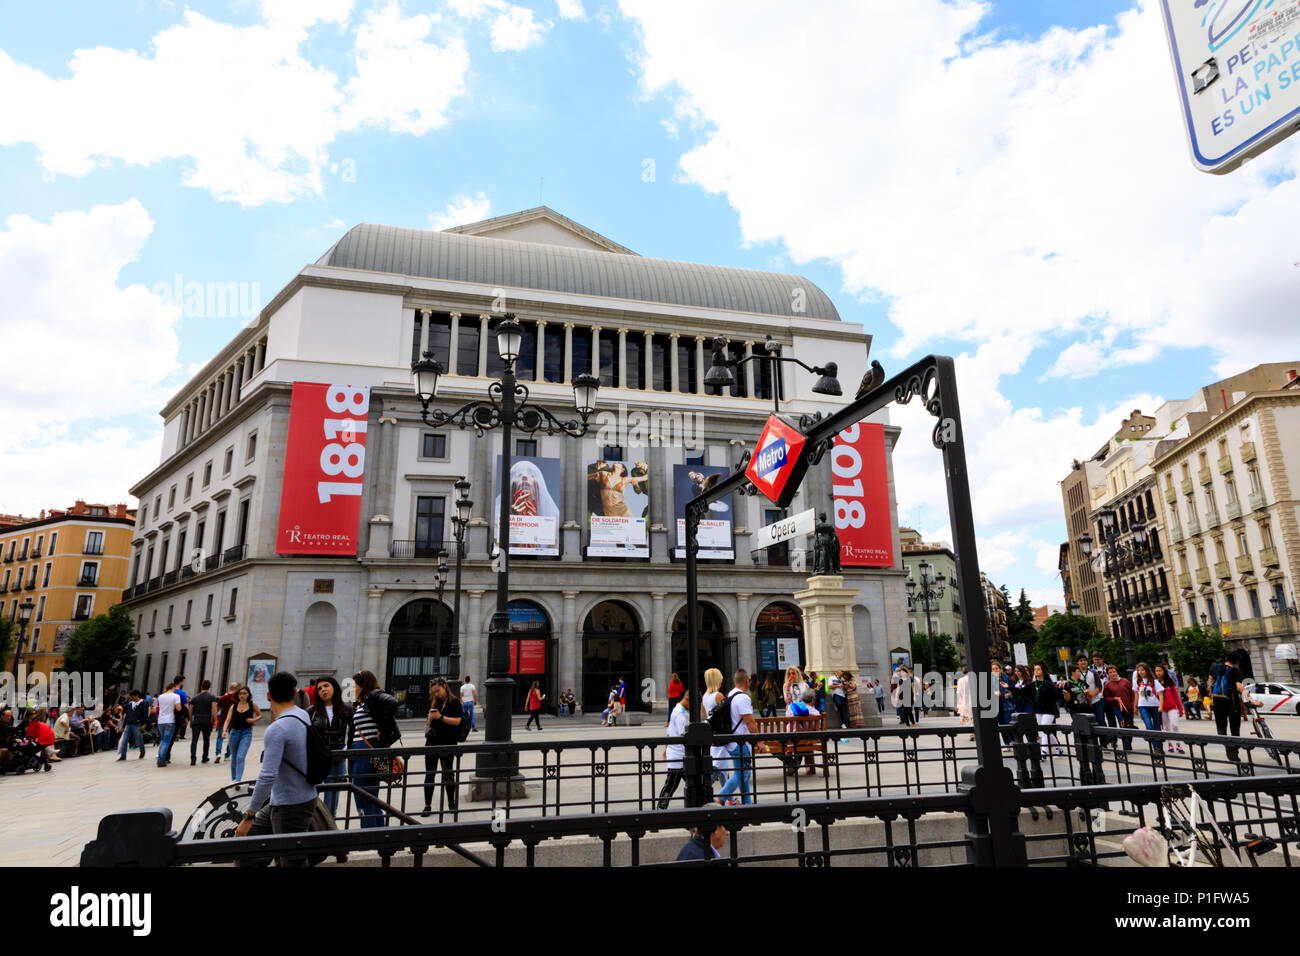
(496, 789)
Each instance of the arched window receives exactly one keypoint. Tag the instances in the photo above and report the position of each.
(612, 651)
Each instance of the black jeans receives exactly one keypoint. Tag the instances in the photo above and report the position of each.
(671, 783)
(449, 787)
(290, 818)
(1225, 717)
(206, 731)
(534, 715)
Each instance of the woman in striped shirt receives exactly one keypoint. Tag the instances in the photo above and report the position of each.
(373, 728)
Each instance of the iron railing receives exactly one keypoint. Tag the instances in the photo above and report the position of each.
(886, 797)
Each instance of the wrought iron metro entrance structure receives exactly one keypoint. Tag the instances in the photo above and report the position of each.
(994, 834)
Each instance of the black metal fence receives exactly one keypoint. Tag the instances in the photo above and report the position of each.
(888, 797)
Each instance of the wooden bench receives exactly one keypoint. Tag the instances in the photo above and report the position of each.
(791, 752)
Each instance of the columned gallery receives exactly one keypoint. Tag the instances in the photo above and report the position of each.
(598, 583)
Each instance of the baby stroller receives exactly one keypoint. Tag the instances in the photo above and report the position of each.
(28, 755)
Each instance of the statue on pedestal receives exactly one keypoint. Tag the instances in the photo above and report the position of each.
(826, 547)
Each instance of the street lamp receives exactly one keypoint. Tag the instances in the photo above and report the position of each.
(1112, 557)
(440, 579)
(1073, 608)
(719, 373)
(1281, 607)
(507, 407)
(24, 616)
(459, 524)
(931, 588)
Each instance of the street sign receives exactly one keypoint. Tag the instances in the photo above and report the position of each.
(1022, 656)
(805, 522)
(1237, 65)
(777, 466)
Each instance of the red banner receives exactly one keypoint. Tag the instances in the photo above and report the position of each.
(861, 493)
(324, 466)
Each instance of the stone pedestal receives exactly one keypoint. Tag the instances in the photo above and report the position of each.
(828, 632)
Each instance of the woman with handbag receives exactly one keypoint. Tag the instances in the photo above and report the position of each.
(374, 727)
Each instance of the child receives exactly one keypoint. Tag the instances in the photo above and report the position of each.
(1171, 706)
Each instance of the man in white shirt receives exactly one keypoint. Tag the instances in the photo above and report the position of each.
(468, 698)
(837, 698)
(674, 754)
(169, 703)
(742, 722)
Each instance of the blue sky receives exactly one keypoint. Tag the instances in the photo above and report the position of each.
(768, 154)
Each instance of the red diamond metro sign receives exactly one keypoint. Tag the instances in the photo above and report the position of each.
(777, 466)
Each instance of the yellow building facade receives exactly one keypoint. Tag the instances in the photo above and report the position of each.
(72, 565)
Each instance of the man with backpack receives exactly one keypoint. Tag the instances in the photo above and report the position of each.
(1227, 688)
(284, 797)
(736, 713)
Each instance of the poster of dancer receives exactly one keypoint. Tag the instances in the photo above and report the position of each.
(618, 509)
(714, 533)
(534, 509)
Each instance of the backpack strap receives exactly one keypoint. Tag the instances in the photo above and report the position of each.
(285, 759)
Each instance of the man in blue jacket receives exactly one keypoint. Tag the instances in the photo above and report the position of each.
(705, 844)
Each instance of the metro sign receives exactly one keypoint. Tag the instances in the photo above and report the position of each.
(778, 464)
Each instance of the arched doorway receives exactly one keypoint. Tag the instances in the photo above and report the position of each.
(612, 645)
(779, 636)
(531, 654)
(318, 636)
(422, 645)
(715, 649)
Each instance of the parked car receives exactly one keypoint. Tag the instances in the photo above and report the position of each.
(1276, 697)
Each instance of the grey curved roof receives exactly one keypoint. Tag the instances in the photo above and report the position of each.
(512, 264)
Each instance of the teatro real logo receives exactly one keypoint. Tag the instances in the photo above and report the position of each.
(76, 909)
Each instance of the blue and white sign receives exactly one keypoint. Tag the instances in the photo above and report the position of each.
(1237, 64)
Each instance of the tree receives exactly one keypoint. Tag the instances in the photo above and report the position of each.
(1078, 632)
(1195, 650)
(6, 641)
(946, 659)
(1020, 621)
(105, 643)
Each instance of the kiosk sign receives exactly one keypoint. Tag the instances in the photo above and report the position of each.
(778, 465)
(1237, 65)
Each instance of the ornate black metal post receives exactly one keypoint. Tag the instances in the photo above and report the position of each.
(500, 686)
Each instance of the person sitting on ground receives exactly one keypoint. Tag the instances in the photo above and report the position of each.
(8, 738)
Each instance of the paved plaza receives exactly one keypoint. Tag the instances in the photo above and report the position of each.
(60, 810)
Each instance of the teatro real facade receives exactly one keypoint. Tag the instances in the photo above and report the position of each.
(210, 593)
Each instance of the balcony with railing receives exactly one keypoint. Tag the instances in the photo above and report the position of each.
(1225, 465)
(1202, 575)
(212, 562)
(93, 549)
(9, 558)
(81, 616)
(155, 583)
(1171, 494)
(417, 549)
(233, 554)
(1248, 451)
(1268, 558)
(31, 585)
(88, 581)
(1186, 485)
(1257, 501)
(1193, 526)
(1232, 510)
(171, 577)
(1185, 580)
(1204, 476)
(1245, 565)
(36, 552)
(1211, 518)
(128, 593)
(1175, 533)
(1222, 570)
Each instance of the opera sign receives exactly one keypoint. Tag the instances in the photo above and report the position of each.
(778, 464)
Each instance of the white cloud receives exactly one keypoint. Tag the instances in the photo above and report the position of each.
(571, 9)
(403, 82)
(246, 109)
(63, 304)
(1012, 194)
(514, 29)
(461, 210)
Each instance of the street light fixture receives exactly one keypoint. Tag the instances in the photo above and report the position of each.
(507, 407)
(719, 373)
(24, 617)
(1113, 556)
(931, 588)
(459, 524)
